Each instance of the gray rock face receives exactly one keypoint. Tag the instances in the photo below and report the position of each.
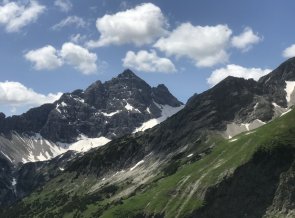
(274, 83)
(235, 100)
(6, 189)
(283, 203)
(109, 109)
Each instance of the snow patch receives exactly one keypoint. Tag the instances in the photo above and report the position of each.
(189, 155)
(286, 112)
(290, 85)
(136, 165)
(57, 108)
(24, 149)
(110, 114)
(85, 144)
(148, 110)
(40, 149)
(80, 100)
(167, 111)
(13, 184)
(233, 140)
(7, 157)
(255, 106)
(129, 107)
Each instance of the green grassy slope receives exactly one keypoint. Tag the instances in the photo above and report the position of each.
(177, 194)
(182, 193)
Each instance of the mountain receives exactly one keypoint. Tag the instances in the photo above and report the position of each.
(228, 153)
(86, 118)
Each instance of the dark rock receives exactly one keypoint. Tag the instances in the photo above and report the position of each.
(100, 110)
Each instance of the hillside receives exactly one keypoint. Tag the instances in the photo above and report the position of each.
(246, 176)
(228, 153)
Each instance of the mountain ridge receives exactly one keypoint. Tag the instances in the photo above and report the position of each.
(206, 136)
(98, 114)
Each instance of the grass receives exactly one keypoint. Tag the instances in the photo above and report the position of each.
(182, 192)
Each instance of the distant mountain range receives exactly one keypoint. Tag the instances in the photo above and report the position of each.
(230, 152)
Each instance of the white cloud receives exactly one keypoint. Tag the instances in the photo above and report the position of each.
(15, 94)
(139, 25)
(79, 57)
(289, 52)
(148, 62)
(48, 58)
(64, 5)
(246, 39)
(70, 21)
(45, 58)
(205, 45)
(14, 15)
(236, 71)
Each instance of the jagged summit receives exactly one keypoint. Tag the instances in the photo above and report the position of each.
(128, 74)
(284, 72)
(275, 83)
(104, 110)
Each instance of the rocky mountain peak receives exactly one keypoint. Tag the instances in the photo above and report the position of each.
(128, 74)
(285, 72)
(103, 111)
(162, 95)
(274, 84)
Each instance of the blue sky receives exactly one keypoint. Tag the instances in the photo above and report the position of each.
(51, 47)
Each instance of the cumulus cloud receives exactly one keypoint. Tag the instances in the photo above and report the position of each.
(148, 62)
(140, 25)
(246, 39)
(63, 5)
(15, 15)
(15, 94)
(70, 21)
(48, 58)
(289, 52)
(45, 58)
(205, 45)
(79, 57)
(236, 71)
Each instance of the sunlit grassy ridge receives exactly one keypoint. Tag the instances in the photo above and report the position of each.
(181, 193)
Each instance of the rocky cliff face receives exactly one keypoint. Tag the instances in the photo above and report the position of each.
(274, 84)
(90, 117)
(110, 109)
